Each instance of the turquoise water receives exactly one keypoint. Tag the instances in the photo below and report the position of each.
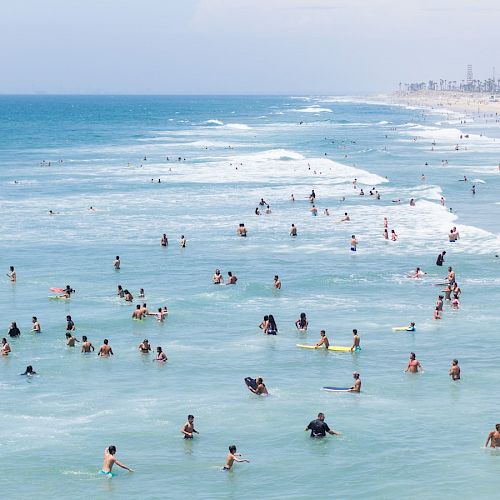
(405, 433)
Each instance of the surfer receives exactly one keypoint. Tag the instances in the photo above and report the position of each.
(5, 347)
(319, 427)
(277, 282)
(86, 345)
(357, 383)
(232, 457)
(160, 355)
(36, 325)
(411, 328)
(454, 371)
(414, 365)
(260, 387)
(323, 340)
(144, 346)
(302, 323)
(70, 340)
(110, 460)
(188, 428)
(117, 263)
(355, 341)
(12, 274)
(242, 230)
(105, 350)
(494, 438)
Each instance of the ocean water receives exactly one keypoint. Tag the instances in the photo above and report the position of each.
(404, 433)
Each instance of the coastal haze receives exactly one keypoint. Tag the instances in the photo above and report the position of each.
(84, 178)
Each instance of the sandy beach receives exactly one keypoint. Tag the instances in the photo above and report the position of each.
(466, 103)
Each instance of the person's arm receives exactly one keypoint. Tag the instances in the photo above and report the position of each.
(333, 433)
(92, 347)
(111, 352)
(185, 432)
(123, 466)
(490, 435)
(240, 460)
(320, 343)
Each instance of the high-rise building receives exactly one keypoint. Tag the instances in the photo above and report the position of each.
(470, 76)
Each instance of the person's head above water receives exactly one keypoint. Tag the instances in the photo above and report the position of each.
(112, 449)
(232, 449)
(106, 341)
(321, 416)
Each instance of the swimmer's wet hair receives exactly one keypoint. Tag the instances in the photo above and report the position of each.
(232, 448)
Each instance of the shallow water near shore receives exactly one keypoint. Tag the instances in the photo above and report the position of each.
(421, 433)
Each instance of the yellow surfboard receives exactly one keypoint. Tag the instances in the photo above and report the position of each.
(338, 348)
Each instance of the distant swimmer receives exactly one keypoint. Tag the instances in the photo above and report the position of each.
(86, 345)
(110, 460)
(71, 340)
(454, 371)
(141, 293)
(29, 371)
(128, 296)
(144, 347)
(394, 236)
(412, 202)
(262, 202)
(277, 282)
(264, 324)
(414, 365)
(302, 323)
(456, 289)
(312, 196)
(361, 192)
(70, 325)
(494, 438)
(473, 189)
(439, 303)
(451, 276)
(319, 427)
(440, 258)
(455, 303)
(447, 292)
(120, 292)
(137, 314)
(13, 330)
(260, 388)
(36, 325)
(443, 200)
(354, 243)
(357, 383)
(356, 341)
(326, 212)
(314, 210)
(232, 457)
(117, 263)
(188, 428)
(5, 350)
(293, 230)
(323, 341)
(386, 234)
(268, 210)
(346, 218)
(217, 278)
(12, 275)
(231, 279)
(242, 230)
(292, 197)
(271, 328)
(257, 211)
(164, 240)
(386, 222)
(160, 355)
(160, 315)
(105, 350)
(144, 309)
(183, 242)
(417, 274)
(437, 314)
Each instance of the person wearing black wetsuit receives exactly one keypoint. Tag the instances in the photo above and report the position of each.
(319, 427)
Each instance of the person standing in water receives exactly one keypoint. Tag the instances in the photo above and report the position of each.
(12, 274)
(188, 428)
(414, 365)
(454, 371)
(293, 230)
(302, 323)
(354, 243)
(117, 263)
(36, 325)
(70, 326)
(160, 355)
(217, 278)
(105, 350)
(232, 457)
(440, 258)
(110, 460)
(319, 427)
(183, 242)
(242, 230)
(164, 240)
(355, 341)
(70, 340)
(86, 345)
(231, 280)
(5, 347)
(494, 438)
(144, 347)
(277, 282)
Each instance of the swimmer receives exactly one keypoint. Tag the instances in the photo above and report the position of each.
(264, 324)
(418, 273)
(357, 383)
(29, 371)
(257, 211)
(70, 340)
(454, 371)
(292, 197)
(414, 365)
(137, 314)
(412, 202)
(164, 240)
(293, 230)
(13, 330)
(312, 196)
(386, 222)
(456, 289)
(277, 282)
(437, 314)
(271, 327)
(447, 292)
(262, 203)
(242, 230)
(105, 350)
(411, 328)
(451, 276)
(394, 236)
(160, 315)
(261, 388)
(12, 275)
(268, 210)
(110, 460)
(160, 355)
(141, 293)
(183, 242)
(144, 347)
(128, 296)
(217, 278)
(144, 310)
(314, 210)
(188, 428)
(117, 263)
(319, 427)
(232, 457)
(5, 347)
(327, 212)
(302, 323)
(440, 258)
(86, 345)
(361, 192)
(323, 340)
(386, 234)
(231, 280)
(36, 325)
(355, 341)
(346, 218)
(439, 303)
(494, 438)
(354, 243)
(120, 292)
(455, 303)
(70, 326)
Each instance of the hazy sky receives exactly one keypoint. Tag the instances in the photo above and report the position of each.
(242, 46)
